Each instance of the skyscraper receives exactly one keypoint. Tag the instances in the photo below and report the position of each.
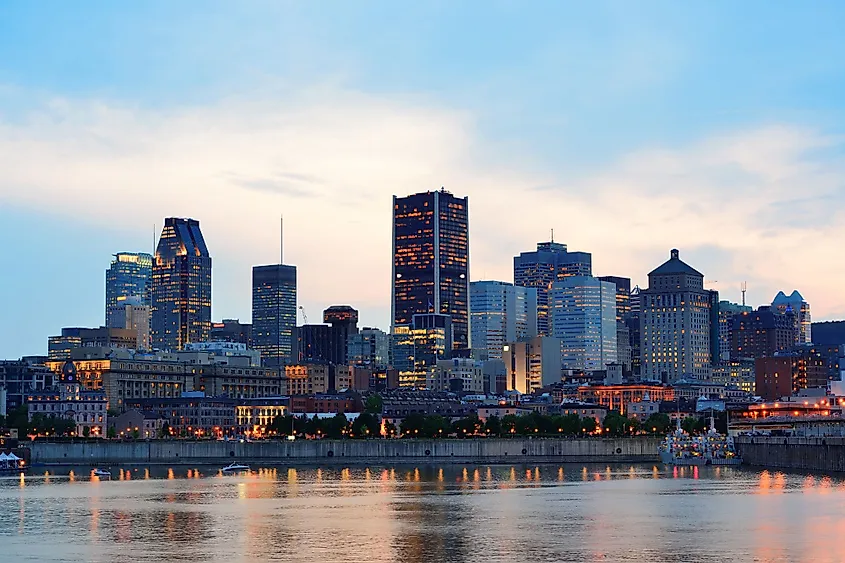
(129, 276)
(551, 262)
(500, 312)
(727, 312)
(801, 309)
(274, 312)
(582, 314)
(431, 260)
(181, 286)
(676, 323)
(623, 295)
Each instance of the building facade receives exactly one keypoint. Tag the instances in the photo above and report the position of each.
(192, 414)
(232, 330)
(539, 269)
(69, 399)
(458, 375)
(431, 260)
(274, 312)
(369, 347)
(72, 338)
(675, 323)
(181, 286)
(727, 312)
(133, 315)
(761, 333)
(532, 364)
(128, 277)
(800, 309)
(500, 312)
(582, 315)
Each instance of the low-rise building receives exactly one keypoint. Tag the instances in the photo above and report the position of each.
(399, 404)
(598, 412)
(255, 414)
(500, 411)
(18, 378)
(458, 375)
(192, 414)
(325, 404)
(70, 400)
(618, 397)
(132, 423)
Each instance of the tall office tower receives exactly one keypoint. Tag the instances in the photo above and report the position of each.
(181, 286)
(369, 347)
(801, 309)
(129, 276)
(762, 333)
(623, 294)
(582, 315)
(419, 346)
(532, 364)
(431, 260)
(274, 312)
(675, 323)
(551, 262)
(727, 312)
(500, 312)
(133, 315)
(344, 322)
(632, 321)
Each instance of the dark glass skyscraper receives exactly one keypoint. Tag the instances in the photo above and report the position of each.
(274, 312)
(181, 286)
(551, 262)
(129, 276)
(431, 259)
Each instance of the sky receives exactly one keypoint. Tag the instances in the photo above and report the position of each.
(630, 128)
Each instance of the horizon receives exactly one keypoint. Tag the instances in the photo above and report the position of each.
(628, 131)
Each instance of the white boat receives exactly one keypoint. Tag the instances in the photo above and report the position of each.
(101, 473)
(679, 448)
(235, 468)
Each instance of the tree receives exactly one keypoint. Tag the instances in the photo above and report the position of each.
(336, 426)
(616, 424)
(467, 426)
(366, 426)
(86, 431)
(509, 424)
(435, 426)
(588, 425)
(493, 426)
(571, 424)
(111, 433)
(135, 434)
(657, 423)
(374, 404)
(389, 429)
(164, 431)
(693, 425)
(412, 425)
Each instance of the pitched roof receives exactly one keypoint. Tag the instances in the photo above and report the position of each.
(675, 266)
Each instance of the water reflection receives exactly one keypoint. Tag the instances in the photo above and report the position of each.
(449, 513)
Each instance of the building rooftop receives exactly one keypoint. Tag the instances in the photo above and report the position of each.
(675, 266)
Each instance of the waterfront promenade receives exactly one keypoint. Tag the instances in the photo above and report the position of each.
(586, 450)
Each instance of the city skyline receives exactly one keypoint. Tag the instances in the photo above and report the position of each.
(727, 149)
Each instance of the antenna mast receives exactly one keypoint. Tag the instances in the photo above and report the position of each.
(553, 235)
(744, 288)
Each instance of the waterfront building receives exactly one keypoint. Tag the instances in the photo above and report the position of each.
(192, 414)
(431, 260)
(181, 286)
(398, 404)
(787, 373)
(458, 375)
(801, 314)
(369, 347)
(539, 269)
(675, 323)
(147, 425)
(762, 333)
(60, 347)
(582, 315)
(584, 410)
(308, 379)
(132, 314)
(619, 397)
(532, 364)
(727, 312)
(232, 330)
(69, 399)
(253, 416)
(500, 312)
(274, 312)
(18, 378)
(325, 404)
(128, 277)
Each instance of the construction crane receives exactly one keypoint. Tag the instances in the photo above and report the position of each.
(304, 316)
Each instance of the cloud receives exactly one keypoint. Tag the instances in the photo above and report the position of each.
(331, 160)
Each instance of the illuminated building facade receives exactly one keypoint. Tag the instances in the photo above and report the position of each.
(582, 314)
(327, 342)
(801, 314)
(417, 348)
(500, 312)
(532, 364)
(762, 333)
(783, 375)
(60, 347)
(727, 312)
(129, 276)
(181, 286)
(70, 399)
(458, 375)
(623, 295)
(675, 323)
(369, 347)
(274, 312)
(619, 397)
(232, 330)
(539, 269)
(431, 260)
(133, 315)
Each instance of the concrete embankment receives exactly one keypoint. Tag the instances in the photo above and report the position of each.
(806, 454)
(598, 450)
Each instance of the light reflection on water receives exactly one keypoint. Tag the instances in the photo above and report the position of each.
(422, 514)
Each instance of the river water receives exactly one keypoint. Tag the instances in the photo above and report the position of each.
(426, 514)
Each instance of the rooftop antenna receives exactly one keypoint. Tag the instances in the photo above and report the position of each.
(553, 234)
(744, 288)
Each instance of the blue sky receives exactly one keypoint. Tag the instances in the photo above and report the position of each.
(630, 128)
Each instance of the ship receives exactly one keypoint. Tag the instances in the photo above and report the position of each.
(679, 448)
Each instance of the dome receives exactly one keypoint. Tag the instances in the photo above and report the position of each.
(68, 372)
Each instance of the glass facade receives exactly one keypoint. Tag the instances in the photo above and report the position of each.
(274, 312)
(500, 313)
(369, 347)
(181, 286)
(583, 316)
(551, 262)
(431, 260)
(128, 278)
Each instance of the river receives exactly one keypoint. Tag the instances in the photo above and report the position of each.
(425, 514)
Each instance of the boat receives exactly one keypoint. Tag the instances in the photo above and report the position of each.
(679, 448)
(235, 468)
(101, 473)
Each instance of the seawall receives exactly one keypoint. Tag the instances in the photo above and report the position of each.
(806, 454)
(597, 450)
